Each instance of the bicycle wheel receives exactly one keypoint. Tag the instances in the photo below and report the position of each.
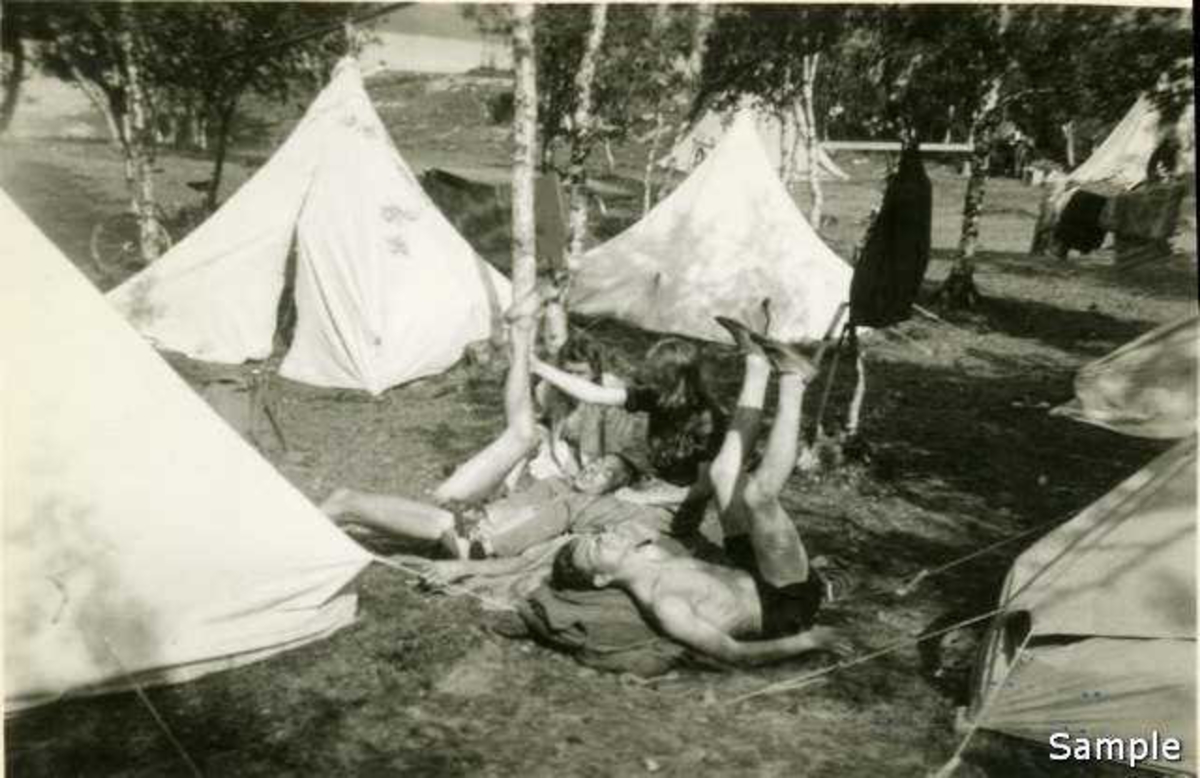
(116, 244)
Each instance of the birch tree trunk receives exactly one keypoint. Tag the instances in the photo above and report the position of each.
(958, 290)
(582, 140)
(657, 23)
(702, 23)
(1068, 131)
(524, 249)
(811, 141)
(582, 134)
(139, 144)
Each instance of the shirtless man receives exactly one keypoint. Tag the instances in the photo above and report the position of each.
(763, 609)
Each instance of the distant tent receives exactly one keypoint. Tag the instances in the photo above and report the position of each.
(775, 137)
(726, 239)
(1122, 158)
(144, 542)
(1145, 388)
(386, 291)
(1099, 635)
(1098, 632)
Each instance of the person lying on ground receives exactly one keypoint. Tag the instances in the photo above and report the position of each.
(763, 609)
(464, 513)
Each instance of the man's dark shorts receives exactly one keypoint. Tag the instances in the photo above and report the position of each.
(786, 610)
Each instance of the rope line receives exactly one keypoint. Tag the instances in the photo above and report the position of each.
(158, 719)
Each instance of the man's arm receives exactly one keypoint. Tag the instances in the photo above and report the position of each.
(680, 621)
(447, 571)
(579, 388)
(657, 493)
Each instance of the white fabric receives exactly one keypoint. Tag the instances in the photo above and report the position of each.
(387, 291)
(1123, 567)
(775, 137)
(727, 238)
(1145, 388)
(1122, 158)
(143, 539)
(1114, 591)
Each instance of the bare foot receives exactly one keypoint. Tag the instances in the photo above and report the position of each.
(791, 357)
(741, 335)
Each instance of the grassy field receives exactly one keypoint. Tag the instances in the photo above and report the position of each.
(427, 685)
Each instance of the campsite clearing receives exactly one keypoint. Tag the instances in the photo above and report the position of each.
(423, 684)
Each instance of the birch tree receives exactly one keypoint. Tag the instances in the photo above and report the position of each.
(525, 120)
(772, 55)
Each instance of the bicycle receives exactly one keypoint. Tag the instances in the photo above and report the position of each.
(115, 242)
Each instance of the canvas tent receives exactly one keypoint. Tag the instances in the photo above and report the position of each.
(1122, 158)
(726, 239)
(1099, 638)
(144, 541)
(386, 291)
(777, 139)
(1145, 388)
(1098, 633)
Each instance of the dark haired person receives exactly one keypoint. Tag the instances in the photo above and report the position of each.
(685, 423)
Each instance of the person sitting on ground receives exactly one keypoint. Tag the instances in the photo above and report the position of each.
(575, 434)
(763, 609)
(465, 516)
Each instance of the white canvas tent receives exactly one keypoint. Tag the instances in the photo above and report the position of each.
(726, 239)
(386, 290)
(1145, 388)
(1099, 638)
(144, 541)
(1098, 635)
(778, 140)
(1122, 158)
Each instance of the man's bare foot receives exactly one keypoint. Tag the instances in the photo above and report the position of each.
(741, 335)
(334, 505)
(790, 357)
(830, 640)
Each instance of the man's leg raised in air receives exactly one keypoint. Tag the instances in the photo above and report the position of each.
(726, 472)
(480, 476)
(779, 553)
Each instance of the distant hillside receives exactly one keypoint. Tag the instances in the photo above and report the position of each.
(439, 20)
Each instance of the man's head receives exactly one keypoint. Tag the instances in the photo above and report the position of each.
(593, 560)
(606, 474)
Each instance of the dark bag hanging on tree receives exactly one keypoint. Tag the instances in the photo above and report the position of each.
(892, 263)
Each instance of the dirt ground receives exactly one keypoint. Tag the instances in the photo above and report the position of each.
(964, 453)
